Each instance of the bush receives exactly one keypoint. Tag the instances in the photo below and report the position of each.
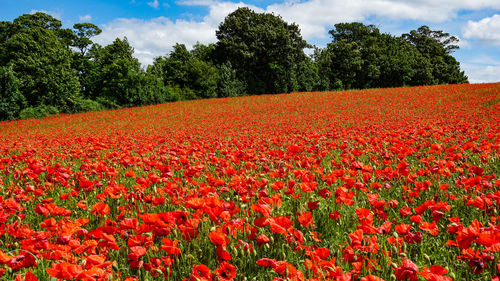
(38, 112)
(85, 105)
(106, 103)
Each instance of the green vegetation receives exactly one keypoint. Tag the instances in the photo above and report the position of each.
(47, 69)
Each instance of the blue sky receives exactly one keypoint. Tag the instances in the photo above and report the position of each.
(154, 26)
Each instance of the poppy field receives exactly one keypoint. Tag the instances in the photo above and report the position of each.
(385, 184)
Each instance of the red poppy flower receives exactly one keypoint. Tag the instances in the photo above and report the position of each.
(265, 262)
(226, 271)
(201, 272)
(136, 252)
(64, 270)
(262, 239)
(170, 246)
(22, 260)
(371, 278)
(100, 208)
(407, 271)
(435, 273)
(306, 219)
(218, 238)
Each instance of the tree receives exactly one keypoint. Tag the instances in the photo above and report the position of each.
(34, 46)
(360, 56)
(186, 70)
(118, 79)
(83, 32)
(229, 85)
(83, 62)
(11, 99)
(437, 46)
(262, 48)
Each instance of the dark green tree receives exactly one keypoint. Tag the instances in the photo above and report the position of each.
(83, 62)
(263, 49)
(11, 99)
(360, 56)
(83, 32)
(119, 80)
(35, 47)
(437, 46)
(187, 71)
(229, 85)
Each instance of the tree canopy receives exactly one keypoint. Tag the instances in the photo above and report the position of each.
(46, 68)
(263, 49)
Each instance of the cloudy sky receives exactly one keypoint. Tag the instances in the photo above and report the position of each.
(154, 26)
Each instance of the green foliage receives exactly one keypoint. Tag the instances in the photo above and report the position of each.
(44, 66)
(83, 32)
(362, 57)
(263, 49)
(116, 79)
(38, 112)
(85, 105)
(229, 85)
(197, 78)
(35, 49)
(436, 46)
(11, 99)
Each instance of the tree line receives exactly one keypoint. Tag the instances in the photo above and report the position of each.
(47, 69)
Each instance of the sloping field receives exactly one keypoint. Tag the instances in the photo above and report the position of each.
(392, 184)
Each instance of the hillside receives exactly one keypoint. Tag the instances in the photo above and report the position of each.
(350, 185)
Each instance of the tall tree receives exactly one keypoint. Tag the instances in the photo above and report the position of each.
(360, 56)
(262, 48)
(437, 46)
(195, 77)
(119, 79)
(11, 99)
(83, 62)
(35, 46)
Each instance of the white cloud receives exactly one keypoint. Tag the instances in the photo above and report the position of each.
(86, 17)
(482, 69)
(328, 12)
(155, 37)
(486, 30)
(154, 4)
(52, 13)
(482, 74)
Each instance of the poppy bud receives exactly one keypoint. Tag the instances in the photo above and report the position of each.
(395, 234)
(452, 275)
(427, 257)
(115, 267)
(242, 250)
(403, 255)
